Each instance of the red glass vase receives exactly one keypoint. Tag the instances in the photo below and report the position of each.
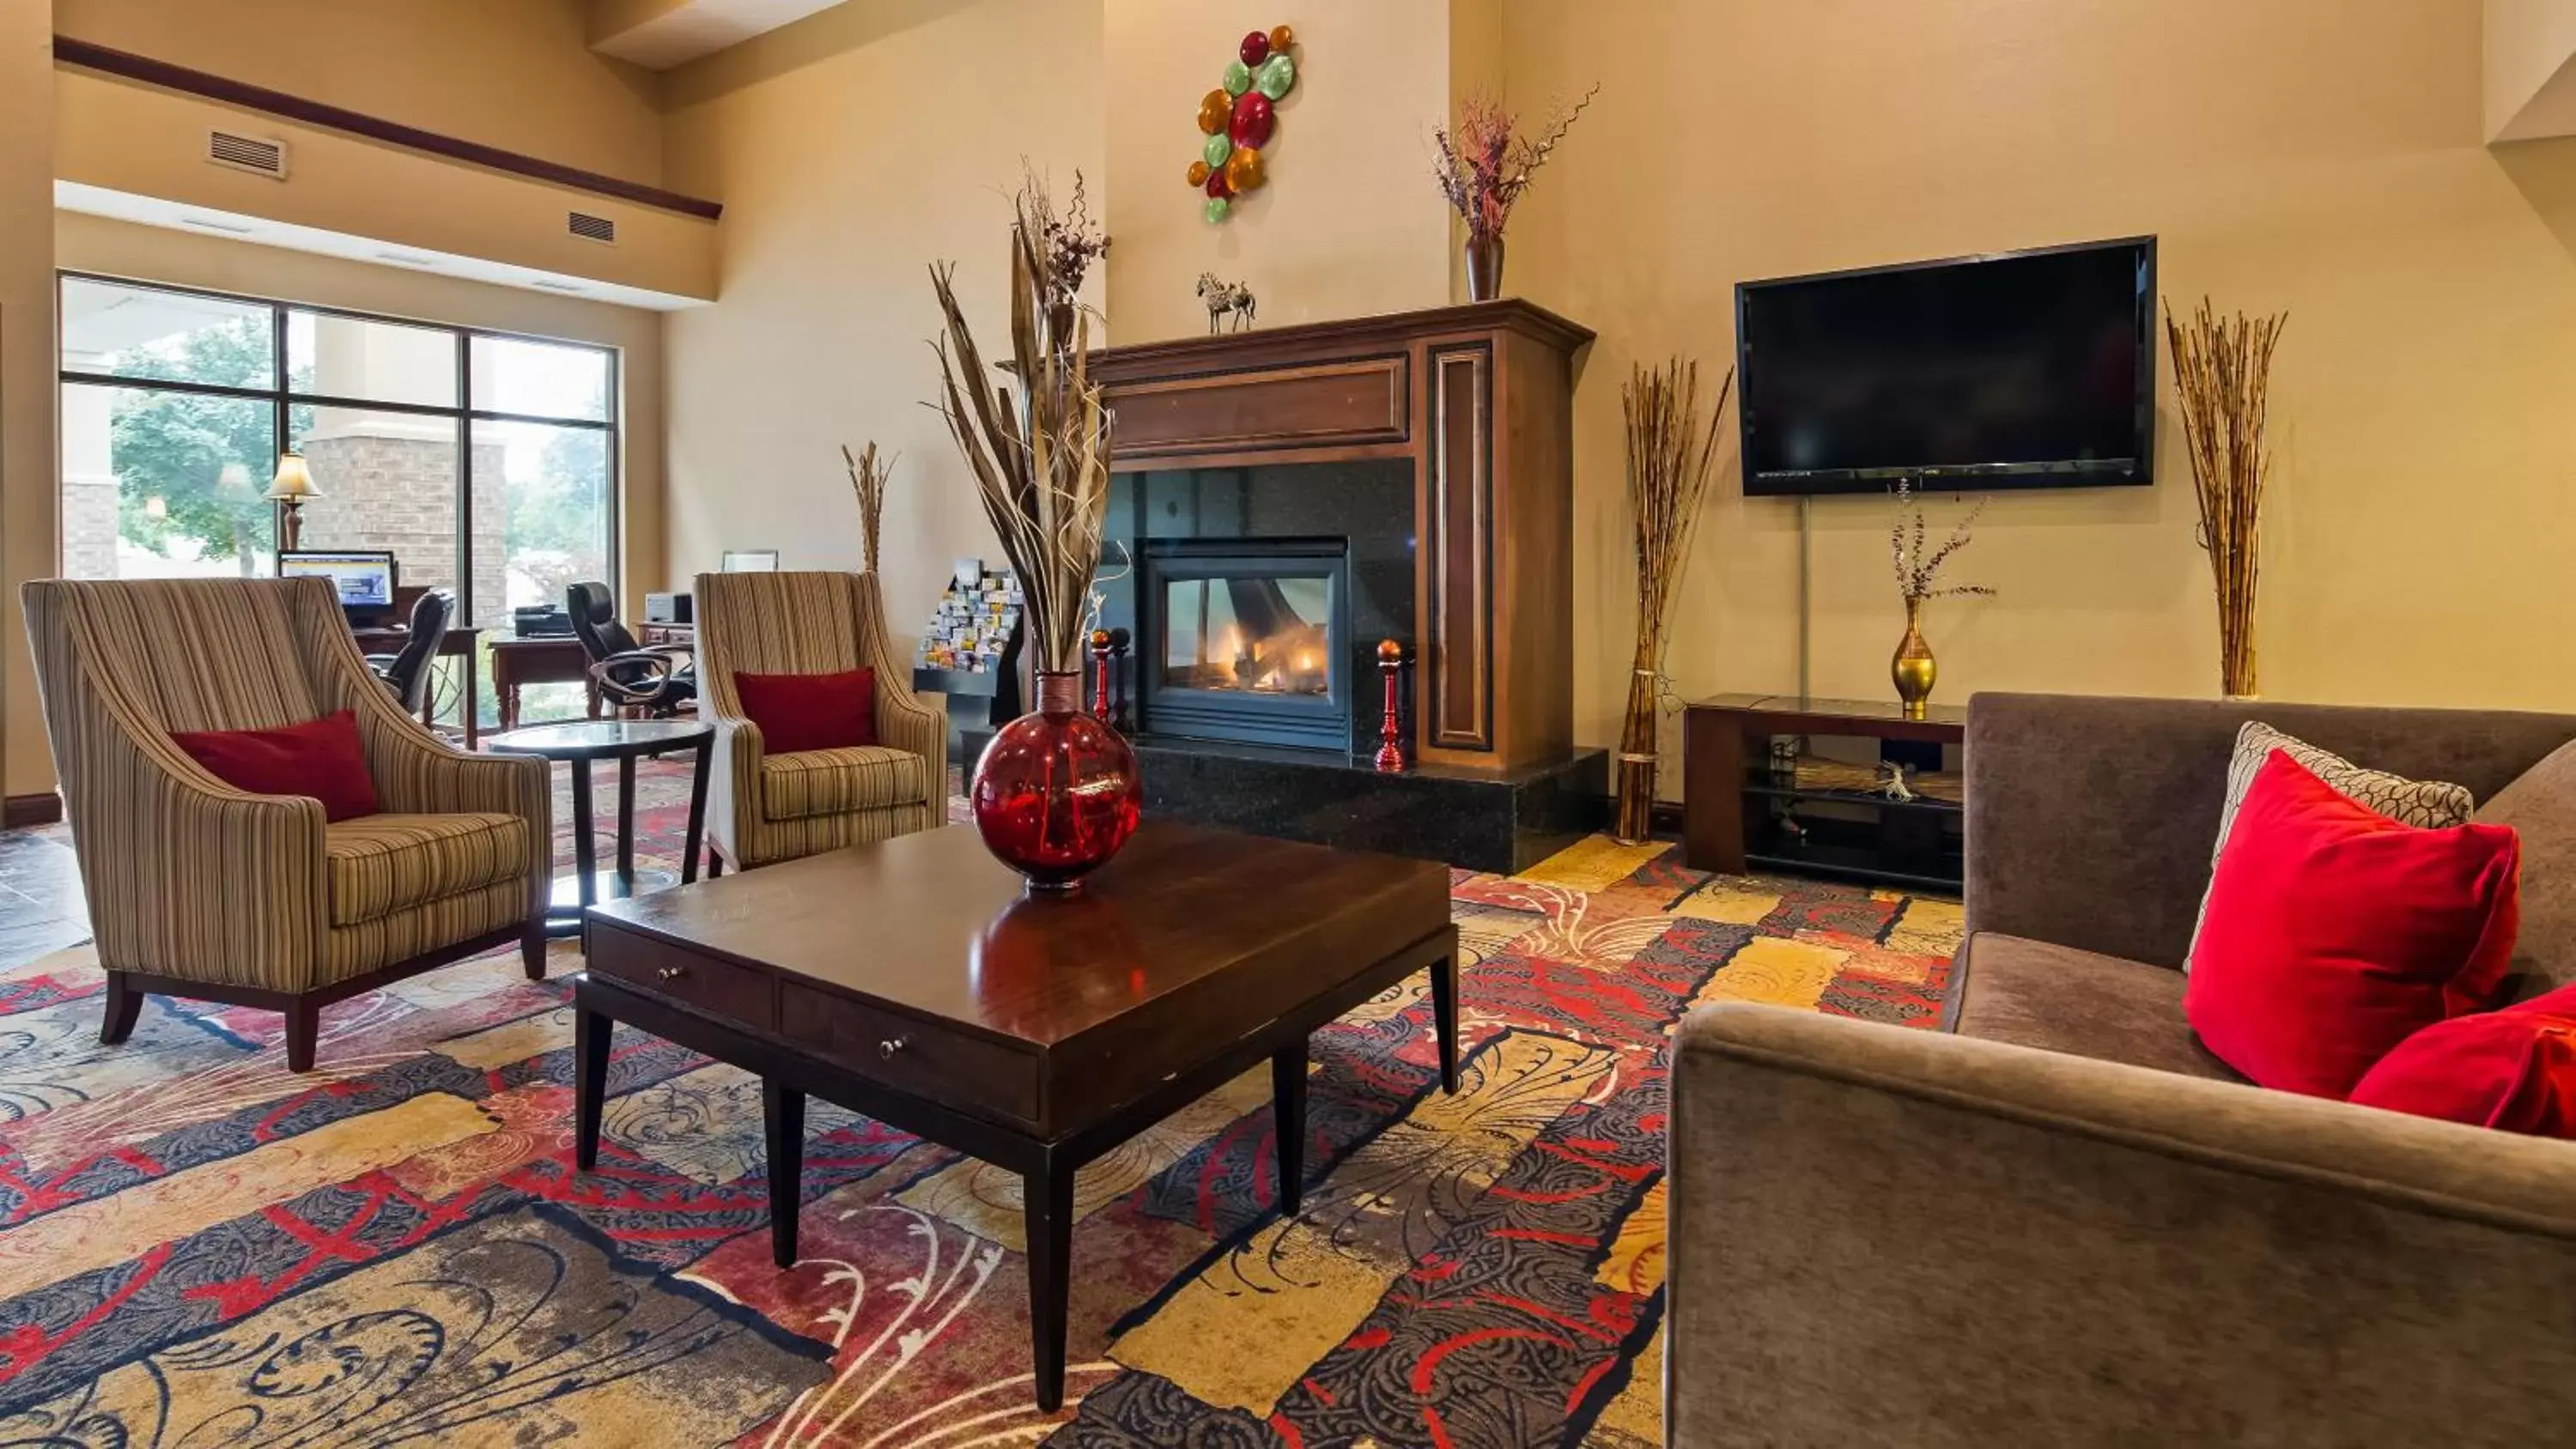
(1056, 792)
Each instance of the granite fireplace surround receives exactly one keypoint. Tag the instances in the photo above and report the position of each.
(1412, 476)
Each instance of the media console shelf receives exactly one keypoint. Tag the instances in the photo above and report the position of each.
(1741, 811)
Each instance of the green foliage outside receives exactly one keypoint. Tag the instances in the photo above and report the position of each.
(174, 446)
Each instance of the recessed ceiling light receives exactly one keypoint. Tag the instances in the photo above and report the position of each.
(406, 259)
(207, 224)
(551, 285)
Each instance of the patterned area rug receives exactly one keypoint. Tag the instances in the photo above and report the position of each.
(204, 1249)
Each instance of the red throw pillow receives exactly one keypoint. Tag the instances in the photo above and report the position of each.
(799, 712)
(2513, 1069)
(322, 758)
(2334, 933)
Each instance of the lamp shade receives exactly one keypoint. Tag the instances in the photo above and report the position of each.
(294, 480)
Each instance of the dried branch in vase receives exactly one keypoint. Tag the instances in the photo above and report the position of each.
(1918, 575)
(869, 475)
(1071, 241)
(2223, 372)
(1039, 445)
(1483, 166)
(1669, 467)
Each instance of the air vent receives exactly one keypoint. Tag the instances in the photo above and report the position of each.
(594, 228)
(551, 285)
(247, 153)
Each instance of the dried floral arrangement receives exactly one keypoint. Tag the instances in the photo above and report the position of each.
(1669, 457)
(869, 475)
(1483, 164)
(1072, 240)
(1918, 574)
(1038, 444)
(2223, 371)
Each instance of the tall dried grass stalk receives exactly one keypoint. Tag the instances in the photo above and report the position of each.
(869, 476)
(1038, 445)
(2223, 371)
(1669, 458)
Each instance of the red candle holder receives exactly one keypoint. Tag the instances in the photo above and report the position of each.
(1390, 729)
(1100, 675)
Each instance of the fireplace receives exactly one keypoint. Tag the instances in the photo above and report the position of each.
(1247, 640)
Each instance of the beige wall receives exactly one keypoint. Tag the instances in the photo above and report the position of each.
(1349, 224)
(146, 253)
(26, 369)
(2530, 85)
(850, 155)
(517, 74)
(2321, 156)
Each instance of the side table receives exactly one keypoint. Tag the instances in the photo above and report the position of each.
(624, 740)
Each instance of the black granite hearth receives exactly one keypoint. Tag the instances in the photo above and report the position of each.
(1494, 822)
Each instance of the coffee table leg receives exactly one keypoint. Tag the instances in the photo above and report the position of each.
(1444, 1016)
(1288, 1123)
(782, 1117)
(697, 815)
(590, 1033)
(1047, 1214)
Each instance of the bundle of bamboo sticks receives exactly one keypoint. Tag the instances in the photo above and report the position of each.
(1669, 458)
(2223, 372)
(869, 476)
(1041, 460)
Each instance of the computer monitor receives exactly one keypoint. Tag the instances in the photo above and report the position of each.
(363, 577)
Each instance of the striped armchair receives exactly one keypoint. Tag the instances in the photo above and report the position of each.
(766, 808)
(202, 890)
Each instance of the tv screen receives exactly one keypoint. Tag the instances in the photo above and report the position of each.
(2031, 369)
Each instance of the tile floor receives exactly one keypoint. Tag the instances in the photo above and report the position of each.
(41, 910)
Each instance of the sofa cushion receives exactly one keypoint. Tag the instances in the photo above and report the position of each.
(320, 758)
(381, 864)
(2059, 999)
(2334, 933)
(2541, 808)
(835, 782)
(2512, 1070)
(2431, 804)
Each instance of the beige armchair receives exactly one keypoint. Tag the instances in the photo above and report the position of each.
(201, 890)
(766, 808)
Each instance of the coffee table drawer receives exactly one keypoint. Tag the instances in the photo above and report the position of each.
(708, 984)
(953, 1070)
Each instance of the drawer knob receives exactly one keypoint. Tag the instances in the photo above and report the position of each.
(672, 973)
(887, 1048)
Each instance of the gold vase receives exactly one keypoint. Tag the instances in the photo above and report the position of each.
(1914, 668)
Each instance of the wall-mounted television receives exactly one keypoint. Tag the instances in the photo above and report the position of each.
(2031, 369)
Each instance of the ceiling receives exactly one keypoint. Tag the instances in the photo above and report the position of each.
(661, 34)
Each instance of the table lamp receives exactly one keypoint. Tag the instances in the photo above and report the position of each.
(294, 484)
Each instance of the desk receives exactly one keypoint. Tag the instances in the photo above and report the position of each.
(554, 660)
(459, 644)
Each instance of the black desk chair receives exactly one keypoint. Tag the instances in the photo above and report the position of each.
(407, 672)
(660, 682)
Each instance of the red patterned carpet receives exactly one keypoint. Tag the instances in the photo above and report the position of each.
(203, 1249)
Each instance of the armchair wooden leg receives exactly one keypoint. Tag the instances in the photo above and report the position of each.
(124, 1004)
(532, 946)
(715, 863)
(303, 1029)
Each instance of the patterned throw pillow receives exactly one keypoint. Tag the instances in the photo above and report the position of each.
(2431, 804)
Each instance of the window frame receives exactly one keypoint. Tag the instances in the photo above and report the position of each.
(282, 398)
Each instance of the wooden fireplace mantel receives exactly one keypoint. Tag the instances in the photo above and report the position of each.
(1480, 400)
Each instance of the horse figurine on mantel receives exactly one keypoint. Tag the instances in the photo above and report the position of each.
(1224, 299)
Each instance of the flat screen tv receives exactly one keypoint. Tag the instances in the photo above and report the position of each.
(2022, 370)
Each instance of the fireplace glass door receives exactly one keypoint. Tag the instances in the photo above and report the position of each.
(1248, 644)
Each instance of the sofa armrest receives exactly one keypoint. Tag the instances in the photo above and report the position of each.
(1880, 1233)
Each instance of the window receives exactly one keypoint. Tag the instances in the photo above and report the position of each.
(486, 462)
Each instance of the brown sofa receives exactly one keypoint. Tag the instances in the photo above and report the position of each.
(2062, 1221)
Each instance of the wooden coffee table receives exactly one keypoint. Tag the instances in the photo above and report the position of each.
(912, 981)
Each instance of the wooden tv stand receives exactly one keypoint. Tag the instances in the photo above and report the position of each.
(1732, 798)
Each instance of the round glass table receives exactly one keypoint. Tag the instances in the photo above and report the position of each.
(578, 743)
